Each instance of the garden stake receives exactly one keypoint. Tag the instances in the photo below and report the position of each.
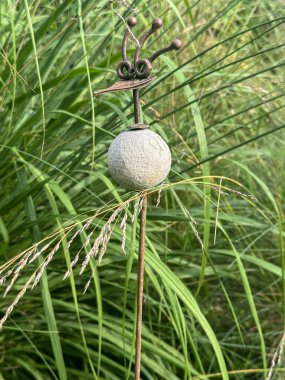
(140, 288)
(138, 158)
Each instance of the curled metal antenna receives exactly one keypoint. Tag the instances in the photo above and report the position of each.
(175, 45)
(141, 68)
(135, 73)
(125, 68)
(156, 24)
(132, 21)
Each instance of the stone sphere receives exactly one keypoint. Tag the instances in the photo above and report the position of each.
(139, 159)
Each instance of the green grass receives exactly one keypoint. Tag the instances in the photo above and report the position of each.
(214, 269)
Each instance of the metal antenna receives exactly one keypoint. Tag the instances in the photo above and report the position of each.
(140, 68)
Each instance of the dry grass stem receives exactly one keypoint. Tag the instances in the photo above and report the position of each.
(124, 230)
(276, 360)
(89, 281)
(159, 195)
(136, 205)
(45, 264)
(17, 271)
(141, 203)
(4, 278)
(217, 212)
(128, 6)
(102, 240)
(16, 300)
(235, 192)
(87, 241)
(129, 29)
(39, 252)
(99, 246)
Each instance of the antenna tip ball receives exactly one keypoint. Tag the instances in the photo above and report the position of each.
(176, 44)
(132, 21)
(157, 23)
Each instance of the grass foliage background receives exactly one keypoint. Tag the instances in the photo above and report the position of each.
(211, 312)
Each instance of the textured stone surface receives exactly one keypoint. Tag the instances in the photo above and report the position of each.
(139, 159)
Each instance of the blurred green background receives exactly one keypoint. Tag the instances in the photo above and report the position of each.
(214, 281)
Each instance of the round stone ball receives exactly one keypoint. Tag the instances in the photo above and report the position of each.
(139, 159)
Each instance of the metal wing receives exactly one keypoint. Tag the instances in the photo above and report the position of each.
(126, 85)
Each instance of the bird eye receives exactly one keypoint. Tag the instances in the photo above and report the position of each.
(143, 68)
(125, 70)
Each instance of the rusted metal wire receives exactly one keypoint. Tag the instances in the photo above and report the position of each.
(156, 24)
(141, 68)
(132, 21)
(140, 287)
(137, 111)
(175, 45)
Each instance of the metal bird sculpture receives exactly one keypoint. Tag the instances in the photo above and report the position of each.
(136, 74)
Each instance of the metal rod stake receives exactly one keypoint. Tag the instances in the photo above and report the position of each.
(137, 111)
(135, 74)
(140, 288)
